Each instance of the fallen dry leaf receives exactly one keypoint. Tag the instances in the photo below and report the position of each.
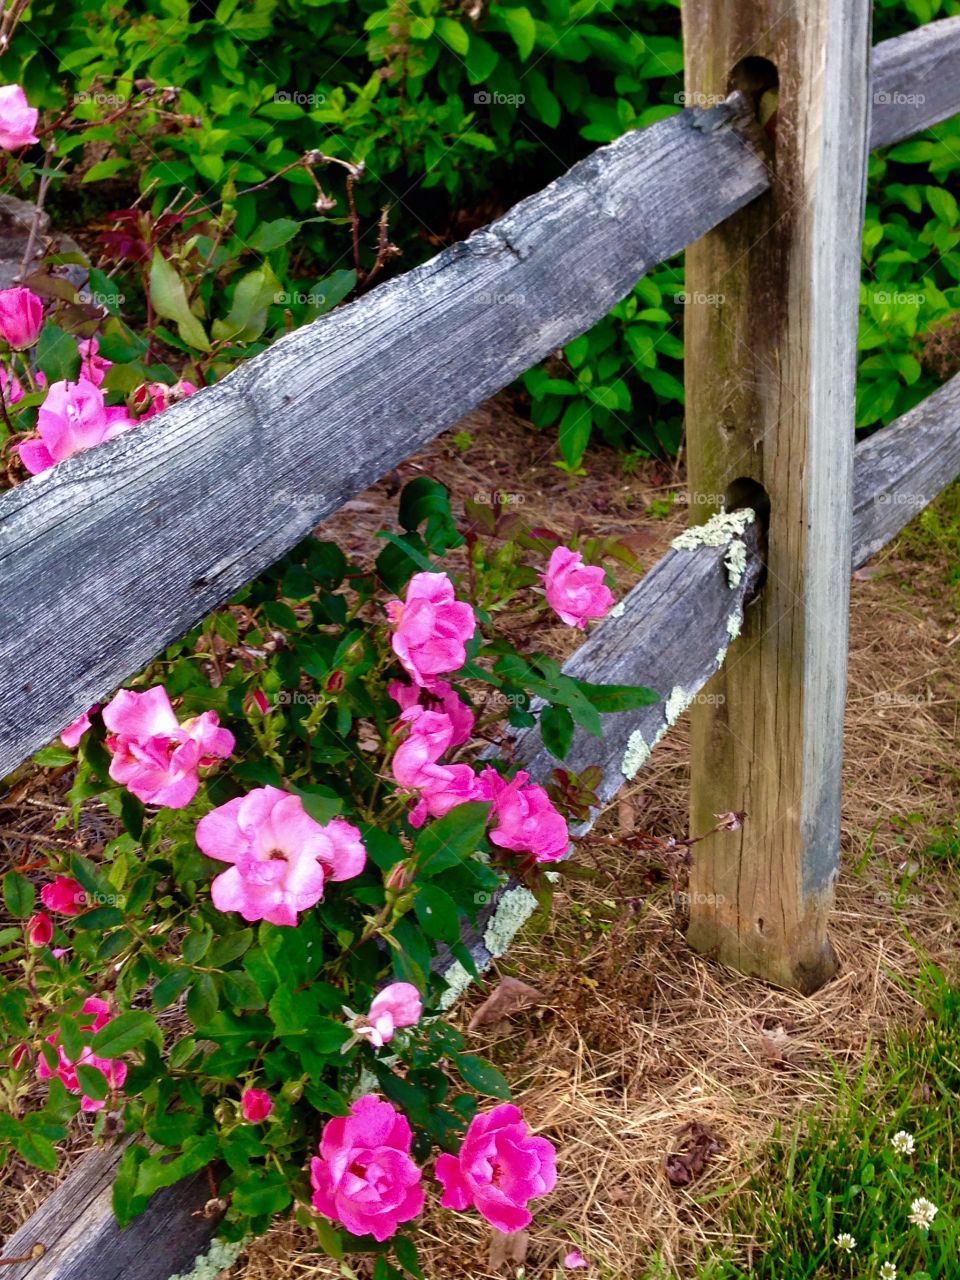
(508, 997)
(696, 1143)
(775, 1043)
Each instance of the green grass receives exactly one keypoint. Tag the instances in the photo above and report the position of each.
(841, 1174)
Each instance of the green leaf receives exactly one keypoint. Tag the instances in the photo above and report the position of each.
(53, 757)
(19, 895)
(618, 697)
(437, 913)
(556, 729)
(481, 59)
(202, 1001)
(271, 235)
(254, 294)
(125, 1032)
(451, 839)
(406, 1254)
(482, 1075)
(229, 947)
(36, 1148)
(92, 1081)
(105, 169)
(57, 355)
(333, 289)
(453, 34)
(944, 205)
(169, 297)
(575, 427)
(170, 987)
(154, 1173)
(126, 1203)
(520, 24)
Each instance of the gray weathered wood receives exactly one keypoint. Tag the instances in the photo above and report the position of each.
(81, 1239)
(110, 555)
(116, 552)
(901, 469)
(770, 380)
(916, 81)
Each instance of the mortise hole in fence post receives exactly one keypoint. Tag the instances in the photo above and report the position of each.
(770, 379)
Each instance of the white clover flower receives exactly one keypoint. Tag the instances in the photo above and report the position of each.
(922, 1213)
(845, 1241)
(903, 1143)
(888, 1271)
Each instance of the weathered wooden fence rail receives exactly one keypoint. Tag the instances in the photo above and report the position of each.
(114, 553)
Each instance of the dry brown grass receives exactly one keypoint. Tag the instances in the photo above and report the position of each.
(636, 1036)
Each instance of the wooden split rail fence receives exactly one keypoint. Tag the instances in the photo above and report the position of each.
(111, 555)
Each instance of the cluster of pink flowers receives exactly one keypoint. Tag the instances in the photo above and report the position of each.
(282, 858)
(155, 756)
(366, 1178)
(153, 397)
(113, 1069)
(18, 119)
(523, 818)
(64, 896)
(72, 418)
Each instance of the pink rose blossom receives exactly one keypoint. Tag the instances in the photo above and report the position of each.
(71, 419)
(500, 1167)
(21, 317)
(282, 858)
(430, 628)
(575, 591)
(93, 367)
(153, 397)
(526, 821)
(77, 728)
(575, 1259)
(448, 786)
(256, 1105)
(364, 1176)
(65, 896)
(397, 1005)
(154, 756)
(17, 118)
(415, 765)
(441, 697)
(113, 1069)
(39, 929)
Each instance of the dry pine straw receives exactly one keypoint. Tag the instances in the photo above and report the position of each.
(636, 1036)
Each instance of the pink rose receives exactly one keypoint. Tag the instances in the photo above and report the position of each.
(364, 1176)
(448, 785)
(431, 732)
(71, 419)
(397, 1005)
(500, 1167)
(256, 1105)
(39, 930)
(441, 697)
(113, 1069)
(153, 397)
(430, 628)
(575, 591)
(77, 728)
(526, 821)
(281, 857)
(93, 367)
(154, 756)
(21, 317)
(65, 896)
(17, 118)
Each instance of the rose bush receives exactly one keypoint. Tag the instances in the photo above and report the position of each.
(304, 807)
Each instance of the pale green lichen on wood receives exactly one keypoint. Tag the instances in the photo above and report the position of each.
(736, 562)
(677, 704)
(513, 910)
(457, 980)
(635, 756)
(221, 1255)
(617, 610)
(734, 622)
(719, 530)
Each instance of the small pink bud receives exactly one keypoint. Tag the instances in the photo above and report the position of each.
(256, 1105)
(21, 317)
(39, 929)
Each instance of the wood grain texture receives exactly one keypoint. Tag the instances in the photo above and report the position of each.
(112, 554)
(770, 378)
(83, 1242)
(903, 467)
(916, 81)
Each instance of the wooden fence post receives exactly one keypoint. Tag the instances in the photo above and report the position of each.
(770, 345)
